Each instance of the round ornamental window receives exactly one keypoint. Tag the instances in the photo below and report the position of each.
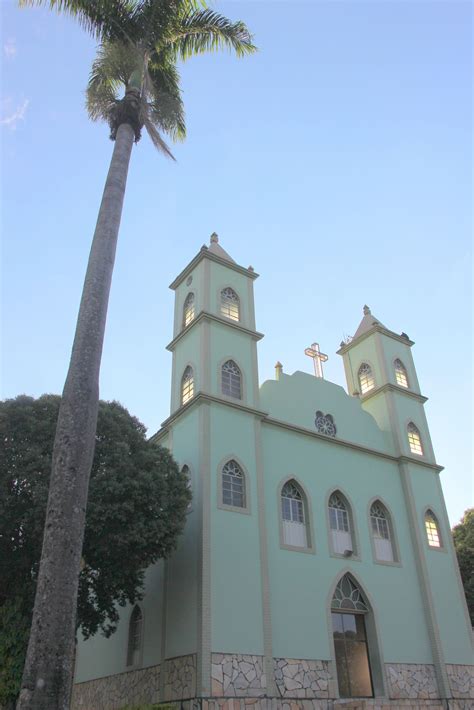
(325, 424)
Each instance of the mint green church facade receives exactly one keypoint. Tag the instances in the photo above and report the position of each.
(316, 568)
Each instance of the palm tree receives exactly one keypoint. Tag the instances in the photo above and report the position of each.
(134, 83)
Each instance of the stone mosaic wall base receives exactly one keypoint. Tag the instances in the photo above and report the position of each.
(117, 691)
(316, 704)
(237, 675)
(180, 678)
(411, 681)
(461, 681)
(302, 679)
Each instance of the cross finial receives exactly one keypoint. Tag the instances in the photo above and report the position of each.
(318, 359)
(214, 238)
(367, 311)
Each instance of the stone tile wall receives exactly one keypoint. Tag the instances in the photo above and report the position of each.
(180, 678)
(461, 681)
(236, 675)
(319, 704)
(411, 681)
(117, 691)
(302, 679)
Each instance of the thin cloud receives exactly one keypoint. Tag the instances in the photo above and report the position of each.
(13, 117)
(9, 48)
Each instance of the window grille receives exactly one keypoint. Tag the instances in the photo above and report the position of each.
(231, 380)
(187, 385)
(188, 310)
(414, 439)
(293, 515)
(134, 637)
(230, 304)
(432, 530)
(325, 424)
(401, 376)
(366, 378)
(233, 485)
(381, 533)
(347, 595)
(339, 523)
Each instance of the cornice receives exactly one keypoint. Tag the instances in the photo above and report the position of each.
(389, 387)
(347, 444)
(205, 315)
(375, 329)
(204, 253)
(202, 397)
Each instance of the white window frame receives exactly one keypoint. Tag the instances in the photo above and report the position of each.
(401, 374)
(415, 443)
(385, 549)
(189, 309)
(234, 383)
(230, 304)
(187, 390)
(369, 378)
(341, 528)
(246, 486)
(429, 534)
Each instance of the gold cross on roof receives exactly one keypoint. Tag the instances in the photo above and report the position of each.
(318, 359)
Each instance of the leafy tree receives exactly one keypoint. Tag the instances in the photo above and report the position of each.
(141, 43)
(463, 536)
(137, 508)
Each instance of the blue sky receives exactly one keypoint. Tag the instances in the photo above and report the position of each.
(337, 162)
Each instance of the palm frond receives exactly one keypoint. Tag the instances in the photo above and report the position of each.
(114, 64)
(154, 134)
(206, 31)
(111, 19)
(164, 98)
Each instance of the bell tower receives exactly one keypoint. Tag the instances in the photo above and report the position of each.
(380, 371)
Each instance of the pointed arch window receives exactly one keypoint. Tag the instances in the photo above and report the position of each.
(414, 439)
(187, 385)
(189, 310)
(231, 380)
(348, 611)
(135, 631)
(230, 304)
(432, 529)
(233, 485)
(381, 532)
(366, 378)
(340, 525)
(401, 376)
(295, 526)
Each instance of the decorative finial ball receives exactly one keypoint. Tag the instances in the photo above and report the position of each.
(214, 238)
(366, 311)
(278, 364)
(250, 268)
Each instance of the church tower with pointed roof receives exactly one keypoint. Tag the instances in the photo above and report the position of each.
(316, 569)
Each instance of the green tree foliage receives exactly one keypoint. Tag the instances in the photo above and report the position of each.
(463, 536)
(136, 510)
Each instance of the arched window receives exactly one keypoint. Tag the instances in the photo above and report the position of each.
(230, 304)
(187, 385)
(381, 532)
(401, 376)
(432, 529)
(348, 612)
(188, 310)
(231, 380)
(414, 439)
(293, 515)
(233, 485)
(135, 628)
(340, 524)
(366, 378)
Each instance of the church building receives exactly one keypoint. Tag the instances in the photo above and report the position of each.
(316, 569)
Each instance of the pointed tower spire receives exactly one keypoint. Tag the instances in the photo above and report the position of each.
(215, 248)
(367, 322)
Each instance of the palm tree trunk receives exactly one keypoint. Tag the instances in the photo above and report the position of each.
(49, 668)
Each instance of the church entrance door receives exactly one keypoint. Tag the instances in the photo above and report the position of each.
(352, 658)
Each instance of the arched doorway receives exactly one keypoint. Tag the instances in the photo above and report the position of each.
(349, 610)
